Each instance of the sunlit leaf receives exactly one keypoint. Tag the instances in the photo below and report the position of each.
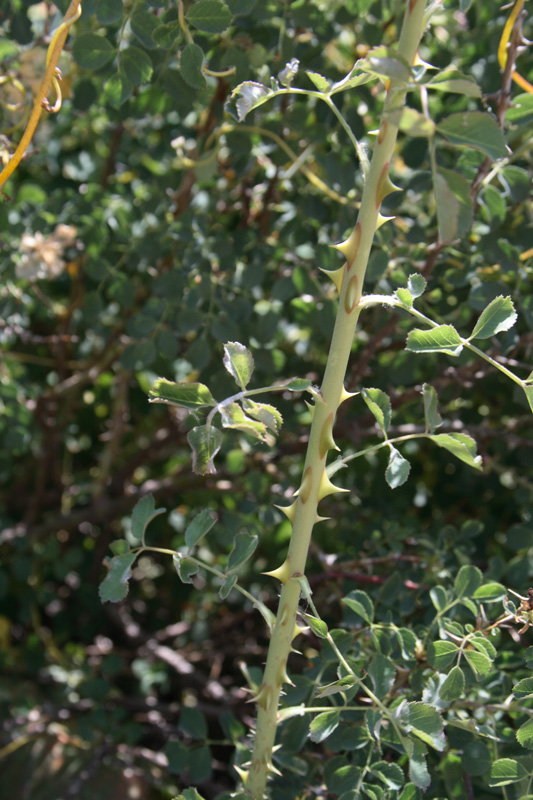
(461, 445)
(323, 725)
(477, 129)
(442, 339)
(499, 315)
(239, 362)
(187, 395)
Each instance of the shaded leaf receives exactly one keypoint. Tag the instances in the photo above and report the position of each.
(382, 673)
(114, 587)
(143, 512)
(92, 51)
(205, 441)
(454, 204)
(200, 525)
(431, 408)
(418, 771)
(467, 580)
(477, 129)
(191, 62)
(454, 685)
(244, 545)
(185, 567)
(391, 774)
(239, 362)
(209, 16)
(136, 65)
(298, 385)
(361, 603)
(227, 586)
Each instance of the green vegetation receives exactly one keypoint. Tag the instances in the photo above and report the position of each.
(177, 370)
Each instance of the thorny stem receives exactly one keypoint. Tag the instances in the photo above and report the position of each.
(315, 482)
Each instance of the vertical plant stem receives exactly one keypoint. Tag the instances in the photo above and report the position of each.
(315, 484)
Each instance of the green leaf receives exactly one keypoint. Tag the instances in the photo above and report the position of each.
(416, 284)
(454, 686)
(186, 395)
(247, 96)
(239, 362)
(467, 580)
(234, 417)
(476, 758)
(143, 512)
(523, 688)
(461, 445)
(200, 525)
(521, 112)
(442, 339)
(454, 204)
(192, 721)
(319, 81)
(438, 597)
(189, 794)
(490, 592)
(405, 297)
(441, 654)
(191, 62)
(209, 16)
(323, 725)
(382, 673)
(337, 686)
(265, 413)
(143, 25)
(289, 72)
(410, 792)
(528, 389)
(298, 385)
(391, 774)
(498, 316)
(91, 51)
(361, 603)
(176, 754)
(477, 129)
(416, 124)
(356, 77)
(109, 11)
(165, 35)
(379, 404)
(185, 567)
(418, 771)
(431, 408)
(117, 90)
(451, 80)
(205, 441)
(199, 764)
(119, 547)
(398, 469)
(244, 545)
(505, 771)
(227, 586)
(524, 734)
(426, 723)
(386, 63)
(479, 663)
(318, 626)
(114, 587)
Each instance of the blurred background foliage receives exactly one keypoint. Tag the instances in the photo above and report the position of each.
(144, 229)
